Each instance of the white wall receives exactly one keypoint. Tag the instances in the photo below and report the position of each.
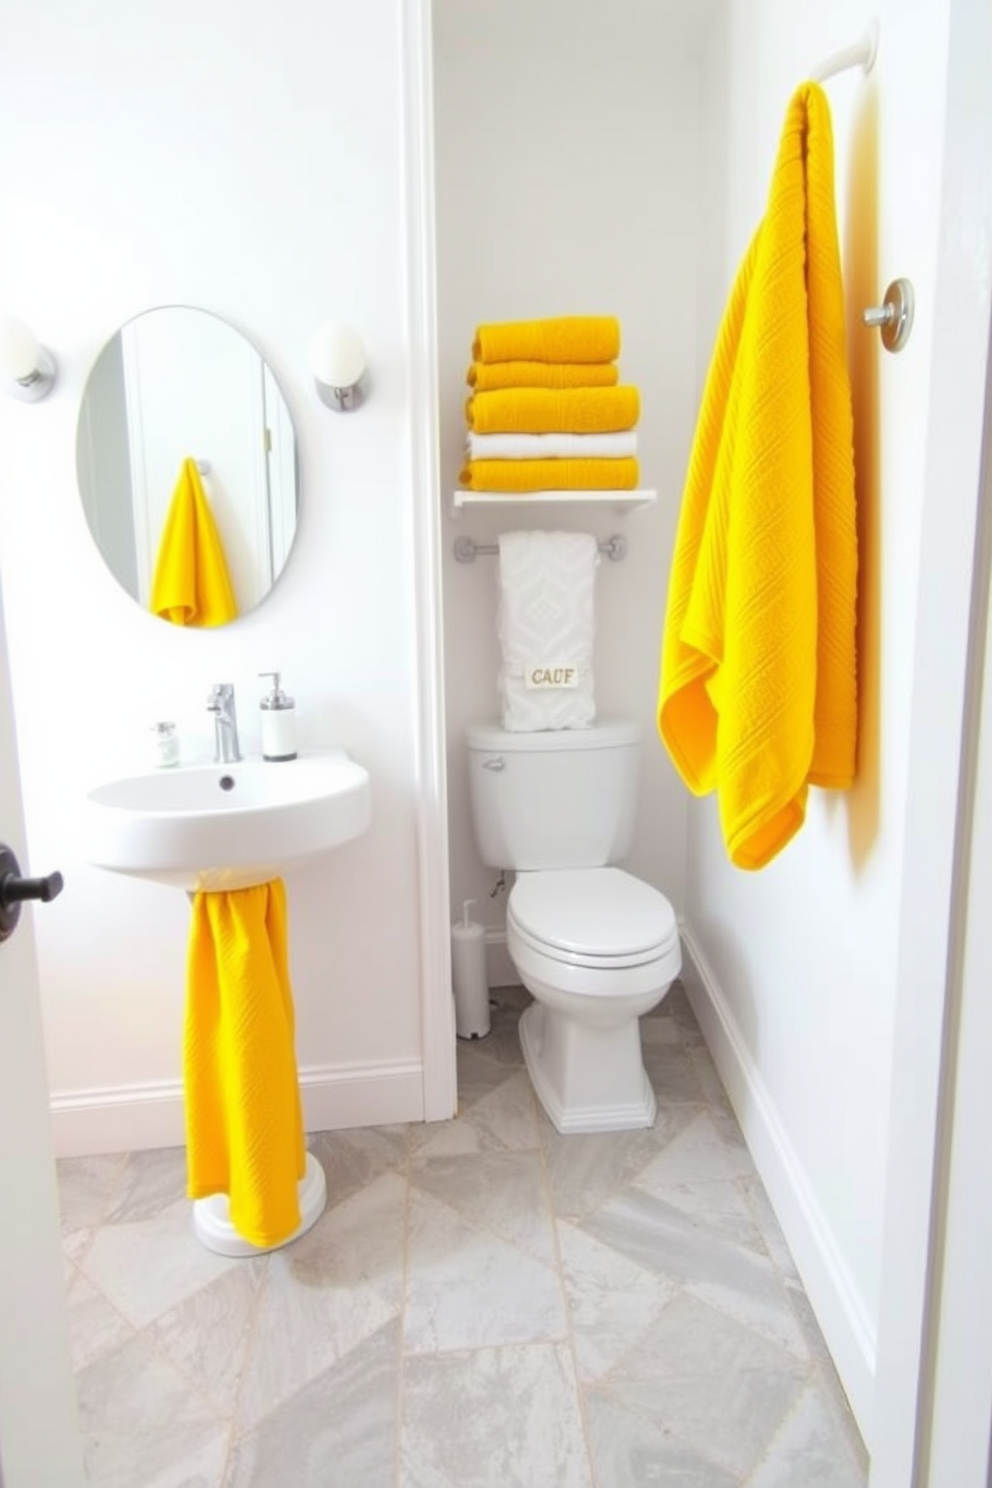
(567, 183)
(800, 961)
(249, 163)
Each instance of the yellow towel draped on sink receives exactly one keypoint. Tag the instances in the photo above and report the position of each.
(191, 585)
(758, 677)
(244, 1128)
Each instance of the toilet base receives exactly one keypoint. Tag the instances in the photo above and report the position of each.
(587, 1079)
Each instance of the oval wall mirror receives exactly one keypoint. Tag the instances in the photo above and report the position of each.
(178, 385)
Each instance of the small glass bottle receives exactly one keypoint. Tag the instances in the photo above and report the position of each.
(165, 745)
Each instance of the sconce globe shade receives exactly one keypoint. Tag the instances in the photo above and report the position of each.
(27, 369)
(18, 348)
(337, 356)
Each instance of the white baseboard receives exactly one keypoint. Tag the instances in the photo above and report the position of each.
(132, 1118)
(829, 1287)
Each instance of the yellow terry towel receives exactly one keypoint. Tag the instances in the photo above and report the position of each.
(190, 585)
(563, 338)
(553, 410)
(758, 675)
(244, 1129)
(485, 376)
(550, 475)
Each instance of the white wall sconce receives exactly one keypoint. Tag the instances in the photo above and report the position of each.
(338, 362)
(28, 369)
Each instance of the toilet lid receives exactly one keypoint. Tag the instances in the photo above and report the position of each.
(592, 916)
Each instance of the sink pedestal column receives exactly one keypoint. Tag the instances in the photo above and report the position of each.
(212, 1220)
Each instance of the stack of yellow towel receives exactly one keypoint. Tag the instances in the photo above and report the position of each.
(546, 411)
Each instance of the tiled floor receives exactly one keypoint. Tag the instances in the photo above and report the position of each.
(485, 1303)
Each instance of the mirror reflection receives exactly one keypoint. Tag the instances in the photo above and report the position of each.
(186, 461)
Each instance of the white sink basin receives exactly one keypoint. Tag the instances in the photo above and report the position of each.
(225, 826)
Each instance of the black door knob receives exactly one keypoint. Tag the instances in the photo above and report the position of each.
(14, 890)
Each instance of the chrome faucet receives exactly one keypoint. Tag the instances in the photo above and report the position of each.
(221, 704)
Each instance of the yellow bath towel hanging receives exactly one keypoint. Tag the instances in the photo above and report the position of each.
(191, 585)
(244, 1129)
(758, 697)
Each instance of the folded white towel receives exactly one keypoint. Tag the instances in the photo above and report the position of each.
(546, 629)
(552, 446)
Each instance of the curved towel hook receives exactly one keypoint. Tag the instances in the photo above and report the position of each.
(862, 54)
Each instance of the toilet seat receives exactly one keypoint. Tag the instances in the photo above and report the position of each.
(601, 918)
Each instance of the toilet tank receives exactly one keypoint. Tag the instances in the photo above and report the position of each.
(562, 798)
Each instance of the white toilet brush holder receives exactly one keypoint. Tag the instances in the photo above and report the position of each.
(468, 976)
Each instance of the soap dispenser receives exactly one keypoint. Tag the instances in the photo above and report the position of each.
(278, 722)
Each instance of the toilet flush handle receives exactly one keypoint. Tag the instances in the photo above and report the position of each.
(494, 762)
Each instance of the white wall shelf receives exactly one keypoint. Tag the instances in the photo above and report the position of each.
(618, 500)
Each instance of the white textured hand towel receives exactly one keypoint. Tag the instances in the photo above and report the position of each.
(615, 446)
(546, 626)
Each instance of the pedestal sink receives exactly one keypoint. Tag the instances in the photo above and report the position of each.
(225, 826)
(228, 826)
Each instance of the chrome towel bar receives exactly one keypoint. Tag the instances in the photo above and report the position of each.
(615, 548)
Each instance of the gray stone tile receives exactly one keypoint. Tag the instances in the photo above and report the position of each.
(741, 1282)
(586, 1171)
(338, 1432)
(812, 1449)
(612, 1302)
(354, 1158)
(507, 1416)
(149, 1184)
(672, 1071)
(133, 1388)
(676, 1005)
(504, 1119)
(184, 1454)
(716, 1387)
(628, 1451)
(699, 1172)
(709, 1080)
(86, 1188)
(207, 1335)
(771, 1232)
(75, 1244)
(324, 1295)
(466, 1288)
(500, 1191)
(153, 1265)
(479, 1072)
(658, 1027)
(699, 1153)
(94, 1324)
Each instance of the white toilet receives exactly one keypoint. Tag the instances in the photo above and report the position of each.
(594, 946)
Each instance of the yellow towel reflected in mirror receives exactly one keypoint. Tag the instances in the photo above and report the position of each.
(191, 585)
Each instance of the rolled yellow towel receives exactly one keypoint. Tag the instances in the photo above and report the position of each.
(553, 410)
(563, 338)
(485, 376)
(519, 476)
